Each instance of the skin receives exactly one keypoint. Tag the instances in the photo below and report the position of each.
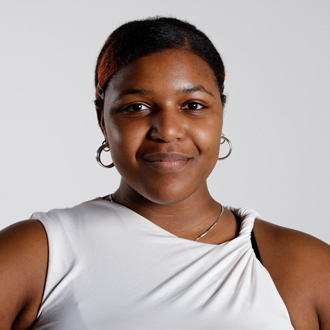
(163, 148)
(162, 119)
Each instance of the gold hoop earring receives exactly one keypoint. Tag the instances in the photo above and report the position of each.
(229, 145)
(104, 147)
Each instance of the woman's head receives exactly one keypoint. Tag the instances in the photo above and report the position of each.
(161, 107)
(136, 39)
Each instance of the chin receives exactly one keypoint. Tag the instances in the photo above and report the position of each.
(167, 195)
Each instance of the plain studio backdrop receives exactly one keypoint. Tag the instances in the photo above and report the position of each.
(278, 84)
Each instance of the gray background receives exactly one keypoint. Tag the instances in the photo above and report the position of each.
(277, 117)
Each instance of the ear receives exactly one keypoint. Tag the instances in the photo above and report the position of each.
(100, 118)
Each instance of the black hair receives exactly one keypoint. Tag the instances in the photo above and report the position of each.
(139, 38)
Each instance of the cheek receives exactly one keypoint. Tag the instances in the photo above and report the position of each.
(124, 140)
(209, 138)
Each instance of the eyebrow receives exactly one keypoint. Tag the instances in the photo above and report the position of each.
(133, 91)
(146, 92)
(199, 88)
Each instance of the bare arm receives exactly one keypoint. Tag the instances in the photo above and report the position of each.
(23, 267)
(299, 265)
(322, 292)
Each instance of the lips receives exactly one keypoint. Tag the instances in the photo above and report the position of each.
(167, 161)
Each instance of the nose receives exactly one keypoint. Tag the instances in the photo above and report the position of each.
(167, 124)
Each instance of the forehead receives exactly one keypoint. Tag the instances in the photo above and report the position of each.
(167, 67)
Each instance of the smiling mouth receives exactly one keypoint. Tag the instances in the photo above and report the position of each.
(167, 161)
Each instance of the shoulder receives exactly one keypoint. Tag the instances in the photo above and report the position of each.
(94, 208)
(293, 241)
(300, 267)
(23, 265)
(288, 244)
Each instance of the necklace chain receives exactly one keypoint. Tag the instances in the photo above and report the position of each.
(215, 222)
(200, 236)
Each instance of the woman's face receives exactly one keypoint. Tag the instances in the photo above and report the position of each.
(162, 119)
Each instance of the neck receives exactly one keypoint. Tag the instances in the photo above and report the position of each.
(187, 218)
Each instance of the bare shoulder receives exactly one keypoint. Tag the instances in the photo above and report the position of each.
(293, 241)
(23, 267)
(299, 265)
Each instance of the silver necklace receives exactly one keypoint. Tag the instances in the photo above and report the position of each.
(200, 236)
(216, 221)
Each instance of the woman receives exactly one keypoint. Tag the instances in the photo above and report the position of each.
(130, 260)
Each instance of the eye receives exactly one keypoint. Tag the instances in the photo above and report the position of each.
(135, 107)
(193, 106)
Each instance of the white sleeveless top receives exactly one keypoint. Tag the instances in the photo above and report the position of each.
(110, 268)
